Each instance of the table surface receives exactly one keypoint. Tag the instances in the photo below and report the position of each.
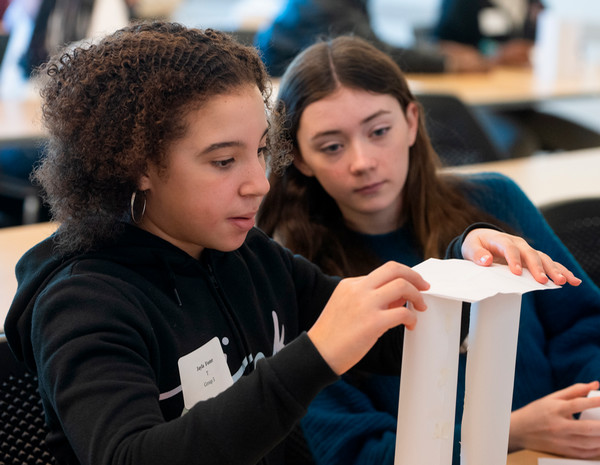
(14, 242)
(550, 177)
(505, 86)
(525, 457)
(20, 118)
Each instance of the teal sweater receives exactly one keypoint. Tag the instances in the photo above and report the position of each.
(353, 421)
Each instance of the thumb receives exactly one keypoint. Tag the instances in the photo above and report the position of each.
(481, 256)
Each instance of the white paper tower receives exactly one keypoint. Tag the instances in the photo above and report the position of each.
(430, 364)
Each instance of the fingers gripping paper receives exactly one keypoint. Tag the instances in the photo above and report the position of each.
(430, 364)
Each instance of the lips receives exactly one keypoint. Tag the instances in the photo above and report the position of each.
(372, 188)
(245, 221)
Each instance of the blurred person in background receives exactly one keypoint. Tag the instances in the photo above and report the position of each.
(61, 22)
(3, 34)
(301, 22)
(503, 31)
(3, 7)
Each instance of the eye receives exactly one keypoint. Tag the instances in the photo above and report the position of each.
(223, 163)
(379, 132)
(331, 148)
(262, 151)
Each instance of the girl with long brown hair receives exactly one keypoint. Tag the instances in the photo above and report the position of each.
(365, 187)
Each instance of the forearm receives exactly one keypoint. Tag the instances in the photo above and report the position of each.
(240, 425)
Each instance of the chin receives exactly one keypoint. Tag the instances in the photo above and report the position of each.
(231, 245)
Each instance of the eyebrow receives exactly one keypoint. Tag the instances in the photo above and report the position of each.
(363, 122)
(226, 144)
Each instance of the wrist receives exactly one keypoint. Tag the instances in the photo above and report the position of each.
(454, 249)
(516, 441)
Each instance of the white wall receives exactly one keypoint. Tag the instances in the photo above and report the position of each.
(394, 20)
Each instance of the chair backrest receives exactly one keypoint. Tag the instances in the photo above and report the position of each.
(22, 424)
(20, 202)
(456, 134)
(577, 224)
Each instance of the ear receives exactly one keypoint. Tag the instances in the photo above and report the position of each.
(412, 119)
(144, 182)
(300, 164)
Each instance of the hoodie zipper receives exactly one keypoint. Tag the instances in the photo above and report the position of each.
(231, 317)
(235, 325)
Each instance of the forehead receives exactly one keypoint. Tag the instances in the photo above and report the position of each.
(244, 97)
(224, 115)
(346, 105)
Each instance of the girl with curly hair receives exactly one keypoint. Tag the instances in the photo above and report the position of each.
(164, 327)
(365, 188)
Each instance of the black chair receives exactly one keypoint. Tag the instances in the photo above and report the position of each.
(20, 202)
(456, 134)
(22, 424)
(577, 224)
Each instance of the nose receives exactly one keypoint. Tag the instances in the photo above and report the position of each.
(255, 183)
(361, 158)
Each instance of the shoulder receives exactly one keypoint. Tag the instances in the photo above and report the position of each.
(272, 255)
(491, 179)
(499, 196)
(260, 254)
(259, 243)
(85, 299)
(96, 283)
(263, 254)
(488, 186)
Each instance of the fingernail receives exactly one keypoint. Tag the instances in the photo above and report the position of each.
(484, 259)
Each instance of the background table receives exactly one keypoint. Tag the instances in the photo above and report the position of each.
(14, 242)
(550, 177)
(525, 457)
(501, 87)
(505, 86)
(20, 120)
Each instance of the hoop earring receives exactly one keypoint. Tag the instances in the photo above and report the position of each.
(133, 208)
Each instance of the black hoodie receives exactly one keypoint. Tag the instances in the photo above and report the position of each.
(105, 330)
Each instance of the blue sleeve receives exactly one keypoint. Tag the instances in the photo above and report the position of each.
(570, 316)
(454, 249)
(345, 426)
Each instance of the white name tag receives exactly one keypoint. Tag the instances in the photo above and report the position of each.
(204, 373)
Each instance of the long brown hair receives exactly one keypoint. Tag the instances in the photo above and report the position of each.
(299, 213)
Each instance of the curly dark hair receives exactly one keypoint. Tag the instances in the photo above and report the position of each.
(114, 107)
